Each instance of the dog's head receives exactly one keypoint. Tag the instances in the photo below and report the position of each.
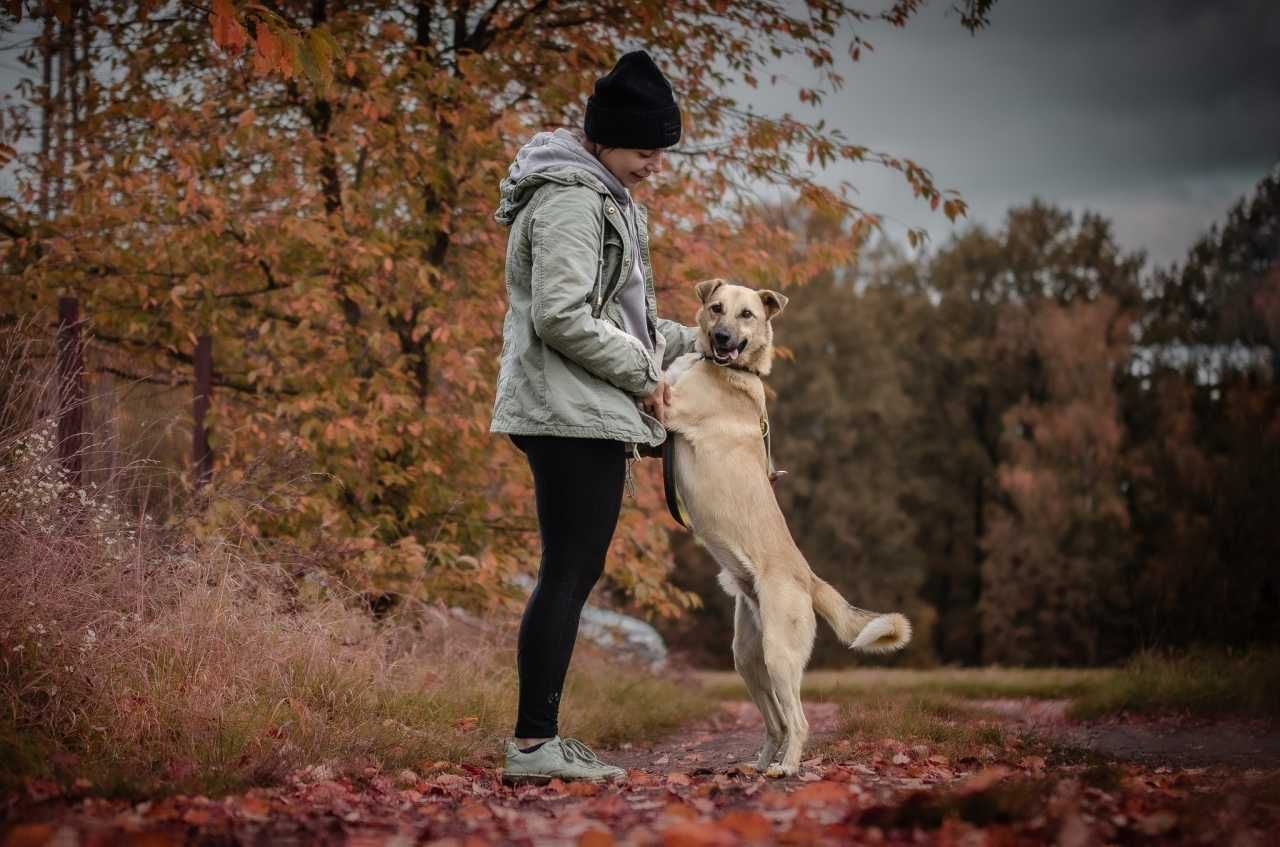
(734, 324)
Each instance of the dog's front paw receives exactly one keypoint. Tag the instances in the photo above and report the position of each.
(778, 772)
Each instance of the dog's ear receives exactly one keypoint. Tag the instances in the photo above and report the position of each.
(773, 303)
(706, 288)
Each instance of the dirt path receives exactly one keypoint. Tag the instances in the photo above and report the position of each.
(1172, 742)
(722, 742)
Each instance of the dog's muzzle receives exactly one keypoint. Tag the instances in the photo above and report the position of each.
(723, 348)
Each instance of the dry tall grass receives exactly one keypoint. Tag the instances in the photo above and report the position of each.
(145, 659)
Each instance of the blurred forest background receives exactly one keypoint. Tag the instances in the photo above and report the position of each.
(1040, 449)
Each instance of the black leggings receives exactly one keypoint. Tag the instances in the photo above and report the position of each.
(578, 485)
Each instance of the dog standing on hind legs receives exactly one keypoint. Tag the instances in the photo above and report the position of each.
(722, 477)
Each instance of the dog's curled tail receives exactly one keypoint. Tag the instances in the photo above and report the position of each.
(860, 629)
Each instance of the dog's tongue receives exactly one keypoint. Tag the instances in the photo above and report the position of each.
(733, 354)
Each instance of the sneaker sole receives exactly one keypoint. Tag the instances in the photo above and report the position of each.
(544, 779)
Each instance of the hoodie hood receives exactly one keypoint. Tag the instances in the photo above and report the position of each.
(553, 157)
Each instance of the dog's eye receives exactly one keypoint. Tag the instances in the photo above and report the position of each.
(746, 313)
(716, 308)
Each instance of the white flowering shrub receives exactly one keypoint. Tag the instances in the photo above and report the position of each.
(37, 491)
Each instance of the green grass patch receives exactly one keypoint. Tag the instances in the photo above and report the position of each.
(962, 683)
(1203, 682)
(1206, 683)
(945, 725)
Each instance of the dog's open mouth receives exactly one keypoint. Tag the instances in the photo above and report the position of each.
(724, 357)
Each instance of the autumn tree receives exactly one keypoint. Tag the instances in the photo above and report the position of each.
(311, 186)
(1057, 572)
(965, 382)
(1212, 297)
(1203, 408)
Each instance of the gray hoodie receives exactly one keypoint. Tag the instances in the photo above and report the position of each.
(561, 149)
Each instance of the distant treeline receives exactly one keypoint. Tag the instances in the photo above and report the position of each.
(1041, 451)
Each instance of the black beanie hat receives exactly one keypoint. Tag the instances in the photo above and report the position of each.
(633, 106)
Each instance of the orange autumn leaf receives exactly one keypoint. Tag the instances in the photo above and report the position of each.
(227, 30)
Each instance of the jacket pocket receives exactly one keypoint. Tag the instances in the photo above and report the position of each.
(570, 392)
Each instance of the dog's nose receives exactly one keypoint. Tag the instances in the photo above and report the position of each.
(722, 337)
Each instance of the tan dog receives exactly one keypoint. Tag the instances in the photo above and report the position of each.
(722, 476)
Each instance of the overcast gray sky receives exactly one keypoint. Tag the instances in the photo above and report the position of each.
(1159, 114)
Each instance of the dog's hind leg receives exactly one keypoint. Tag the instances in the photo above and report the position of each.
(748, 659)
(788, 627)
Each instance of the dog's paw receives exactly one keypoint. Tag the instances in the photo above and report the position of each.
(778, 772)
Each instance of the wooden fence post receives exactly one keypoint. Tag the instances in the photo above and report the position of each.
(201, 455)
(71, 390)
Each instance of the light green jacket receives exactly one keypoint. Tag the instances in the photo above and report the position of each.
(568, 367)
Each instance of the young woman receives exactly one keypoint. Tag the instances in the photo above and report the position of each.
(579, 387)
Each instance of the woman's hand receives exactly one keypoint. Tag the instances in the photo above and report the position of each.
(657, 402)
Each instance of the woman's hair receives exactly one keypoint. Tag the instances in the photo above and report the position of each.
(591, 147)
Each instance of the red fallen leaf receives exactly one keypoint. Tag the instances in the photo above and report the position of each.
(982, 780)
(641, 805)
(1032, 763)
(595, 838)
(820, 794)
(197, 817)
(583, 789)
(772, 798)
(750, 826)
(705, 806)
(159, 810)
(637, 778)
(472, 811)
(466, 724)
(254, 807)
(835, 773)
(29, 835)
(607, 806)
(696, 834)
(680, 810)
(678, 778)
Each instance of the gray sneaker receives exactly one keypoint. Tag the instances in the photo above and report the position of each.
(559, 758)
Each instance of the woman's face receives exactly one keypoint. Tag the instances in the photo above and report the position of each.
(629, 165)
